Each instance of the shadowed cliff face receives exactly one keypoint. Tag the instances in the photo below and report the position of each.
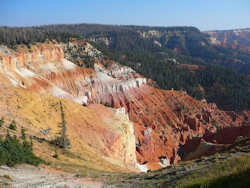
(164, 122)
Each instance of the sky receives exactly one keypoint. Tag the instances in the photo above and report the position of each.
(204, 14)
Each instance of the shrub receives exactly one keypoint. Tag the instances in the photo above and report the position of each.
(58, 142)
(1, 122)
(55, 155)
(107, 104)
(23, 133)
(12, 125)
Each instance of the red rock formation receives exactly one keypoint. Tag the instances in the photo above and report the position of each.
(163, 120)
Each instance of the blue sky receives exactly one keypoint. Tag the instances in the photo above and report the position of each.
(204, 14)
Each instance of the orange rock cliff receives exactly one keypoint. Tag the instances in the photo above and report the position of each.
(163, 126)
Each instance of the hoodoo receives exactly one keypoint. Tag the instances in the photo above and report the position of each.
(155, 127)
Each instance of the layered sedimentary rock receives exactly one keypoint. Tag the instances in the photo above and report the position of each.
(167, 124)
(44, 69)
(100, 138)
(237, 39)
(96, 132)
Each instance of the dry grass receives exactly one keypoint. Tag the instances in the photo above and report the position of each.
(228, 174)
(85, 129)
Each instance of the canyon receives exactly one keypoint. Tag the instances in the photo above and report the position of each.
(236, 39)
(117, 121)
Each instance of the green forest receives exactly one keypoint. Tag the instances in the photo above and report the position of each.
(228, 88)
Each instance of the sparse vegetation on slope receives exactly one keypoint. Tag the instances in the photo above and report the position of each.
(40, 115)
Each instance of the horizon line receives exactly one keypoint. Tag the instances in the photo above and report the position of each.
(124, 25)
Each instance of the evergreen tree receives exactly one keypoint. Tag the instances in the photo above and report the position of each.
(62, 140)
(1, 122)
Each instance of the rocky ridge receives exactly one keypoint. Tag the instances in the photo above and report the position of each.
(236, 39)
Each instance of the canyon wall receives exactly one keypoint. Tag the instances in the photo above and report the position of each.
(164, 122)
(236, 39)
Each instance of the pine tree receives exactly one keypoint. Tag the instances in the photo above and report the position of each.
(64, 141)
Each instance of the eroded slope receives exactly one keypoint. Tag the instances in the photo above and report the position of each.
(167, 124)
